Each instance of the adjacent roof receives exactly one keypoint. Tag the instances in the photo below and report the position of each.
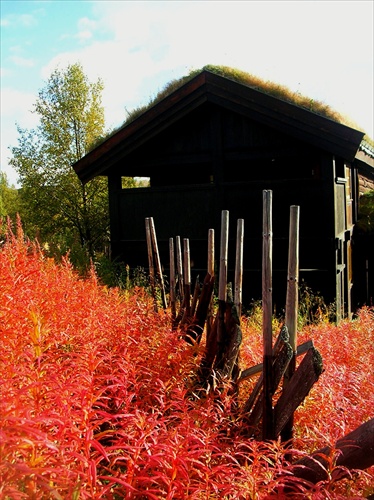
(207, 86)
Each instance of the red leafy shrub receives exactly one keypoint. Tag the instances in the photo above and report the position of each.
(95, 399)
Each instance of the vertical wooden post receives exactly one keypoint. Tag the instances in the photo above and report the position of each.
(150, 261)
(211, 252)
(239, 266)
(292, 299)
(222, 285)
(187, 276)
(267, 255)
(292, 304)
(158, 262)
(180, 269)
(209, 321)
(172, 283)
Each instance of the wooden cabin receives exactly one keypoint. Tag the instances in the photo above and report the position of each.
(215, 144)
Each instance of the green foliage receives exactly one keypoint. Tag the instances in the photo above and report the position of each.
(56, 207)
(312, 307)
(365, 221)
(312, 310)
(9, 198)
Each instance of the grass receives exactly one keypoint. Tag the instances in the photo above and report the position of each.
(268, 87)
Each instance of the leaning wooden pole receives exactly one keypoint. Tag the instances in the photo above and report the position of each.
(292, 305)
(158, 262)
(238, 287)
(267, 249)
(172, 284)
(150, 261)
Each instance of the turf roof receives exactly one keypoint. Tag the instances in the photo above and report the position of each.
(265, 86)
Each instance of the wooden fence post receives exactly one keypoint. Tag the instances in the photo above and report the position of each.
(239, 267)
(292, 304)
(267, 249)
(172, 283)
(209, 322)
(187, 276)
(180, 269)
(222, 285)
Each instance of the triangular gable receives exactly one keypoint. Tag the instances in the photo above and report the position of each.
(291, 119)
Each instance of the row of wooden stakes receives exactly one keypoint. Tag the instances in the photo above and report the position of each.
(223, 333)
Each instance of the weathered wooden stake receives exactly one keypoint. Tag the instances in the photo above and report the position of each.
(267, 249)
(172, 283)
(292, 305)
(158, 262)
(222, 285)
(209, 321)
(180, 269)
(239, 266)
(187, 277)
(150, 261)
(211, 252)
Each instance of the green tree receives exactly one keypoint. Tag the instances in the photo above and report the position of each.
(57, 208)
(9, 198)
(365, 221)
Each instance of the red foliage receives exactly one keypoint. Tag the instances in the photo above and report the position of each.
(94, 387)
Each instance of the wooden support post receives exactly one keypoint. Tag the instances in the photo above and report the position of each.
(150, 261)
(239, 267)
(292, 305)
(267, 247)
(172, 284)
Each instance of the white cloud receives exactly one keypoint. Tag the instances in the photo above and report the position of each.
(27, 20)
(4, 22)
(22, 61)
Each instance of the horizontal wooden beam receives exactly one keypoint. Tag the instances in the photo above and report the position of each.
(249, 372)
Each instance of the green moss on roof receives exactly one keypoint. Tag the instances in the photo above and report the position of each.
(268, 87)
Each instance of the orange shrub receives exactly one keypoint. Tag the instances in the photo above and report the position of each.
(95, 405)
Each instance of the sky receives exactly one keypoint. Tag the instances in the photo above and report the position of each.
(322, 49)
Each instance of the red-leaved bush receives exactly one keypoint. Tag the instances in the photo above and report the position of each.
(96, 398)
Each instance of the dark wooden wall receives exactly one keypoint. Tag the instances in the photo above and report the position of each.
(214, 160)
